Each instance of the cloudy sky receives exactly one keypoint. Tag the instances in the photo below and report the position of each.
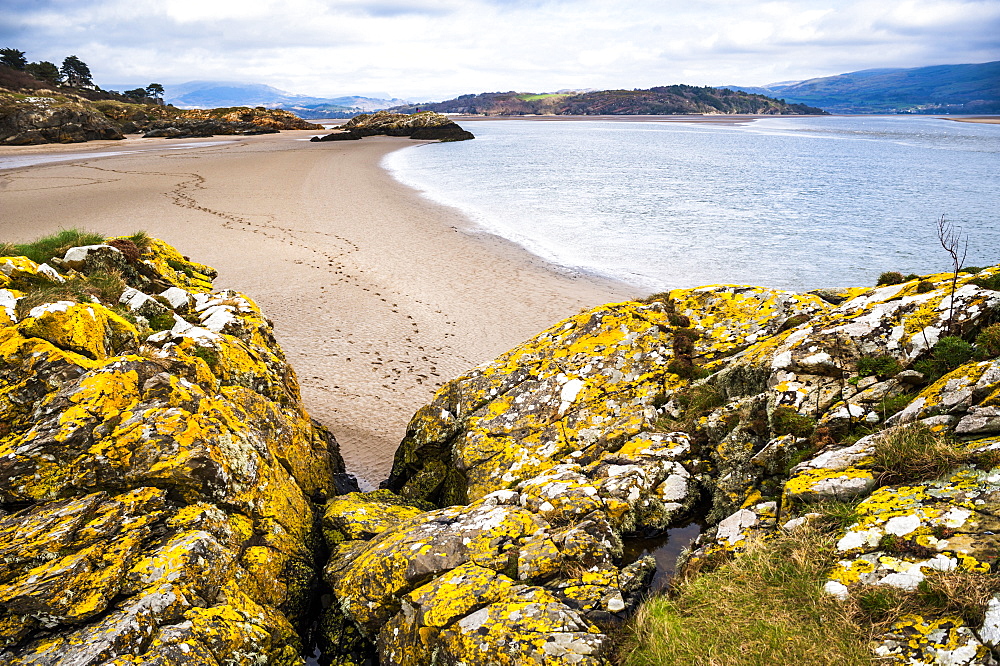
(433, 49)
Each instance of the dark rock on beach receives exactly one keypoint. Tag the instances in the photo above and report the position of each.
(426, 126)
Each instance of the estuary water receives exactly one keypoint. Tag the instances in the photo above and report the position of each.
(793, 202)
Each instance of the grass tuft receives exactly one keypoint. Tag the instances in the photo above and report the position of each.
(890, 277)
(141, 240)
(892, 404)
(787, 421)
(835, 515)
(882, 366)
(963, 594)
(105, 287)
(915, 453)
(44, 249)
(988, 342)
(949, 353)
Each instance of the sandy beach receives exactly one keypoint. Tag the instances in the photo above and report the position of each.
(987, 120)
(377, 295)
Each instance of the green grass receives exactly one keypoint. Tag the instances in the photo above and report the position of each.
(44, 249)
(662, 297)
(764, 607)
(882, 366)
(949, 353)
(835, 514)
(694, 402)
(141, 239)
(787, 421)
(989, 282)
(988, 342)
(889, 277)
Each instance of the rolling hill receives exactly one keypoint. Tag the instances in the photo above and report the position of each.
(972, 88)
(664, 100)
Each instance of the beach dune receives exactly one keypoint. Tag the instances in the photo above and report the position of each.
(377, 295)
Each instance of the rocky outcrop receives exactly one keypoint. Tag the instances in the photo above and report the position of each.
(277, 119)
(739, 405)
(210, 122)
(159, 478)
(426, 126)
(50, 117)
(34, 119)
(187, 128)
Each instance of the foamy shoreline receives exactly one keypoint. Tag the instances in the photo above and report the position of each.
(377, 294)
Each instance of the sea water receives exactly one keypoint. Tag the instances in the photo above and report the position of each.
(793, 202)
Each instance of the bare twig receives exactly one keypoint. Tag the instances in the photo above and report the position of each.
(956, 244)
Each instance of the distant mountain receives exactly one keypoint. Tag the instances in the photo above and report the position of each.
(665, 100)
(938, 89)
(214, 94)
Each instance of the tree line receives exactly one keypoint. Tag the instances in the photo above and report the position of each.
(74, 73)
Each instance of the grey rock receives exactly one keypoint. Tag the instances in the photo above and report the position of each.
(979, 421)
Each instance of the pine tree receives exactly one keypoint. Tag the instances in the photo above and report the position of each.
(154, 90)
(13, 58)
(44, 71)
(76, 72)
(137, 94)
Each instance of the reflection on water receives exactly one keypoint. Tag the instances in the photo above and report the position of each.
(664, 549)
(795, 203)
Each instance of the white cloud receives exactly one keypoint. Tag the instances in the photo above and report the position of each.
(192, 11)
(436, 48)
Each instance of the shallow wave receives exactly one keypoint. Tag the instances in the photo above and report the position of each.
(795, 203)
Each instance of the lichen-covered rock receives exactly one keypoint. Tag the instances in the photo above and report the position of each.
(616, 421)
(575, 392)
(158, 490)
(915, 640)
(491, 582)
(276, 119)
(187, 128)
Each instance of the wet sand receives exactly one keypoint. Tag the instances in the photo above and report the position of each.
(377, 295)
(988, 120)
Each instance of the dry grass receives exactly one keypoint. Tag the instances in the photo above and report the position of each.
(764, 607)
(961, 594)
(105, 287)
(915, 453)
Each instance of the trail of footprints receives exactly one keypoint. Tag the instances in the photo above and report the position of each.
(393, 374)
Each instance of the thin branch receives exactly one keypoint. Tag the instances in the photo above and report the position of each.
(956, 244)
